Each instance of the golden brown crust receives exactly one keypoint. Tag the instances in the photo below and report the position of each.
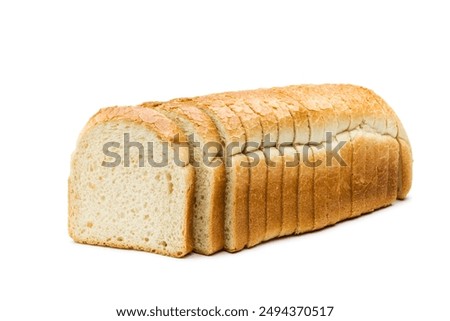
(217, 209)
(289, 190)
(282, 111)
(383, 169)
(274, 193)
(345, 177)
(203, 124)
(321, 187)
(268, 119)
(240, 207)
(305, 213)
(299, 115)
(257, 195)
(359, 183)
(227, 122)
(250, 121)
(394, 156)
(371, 195)
(164, 128)
(405, 180)
(334, 188)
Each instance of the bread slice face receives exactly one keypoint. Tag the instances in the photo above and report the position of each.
(121, 200)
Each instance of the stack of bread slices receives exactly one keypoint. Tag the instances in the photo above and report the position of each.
(232, 170)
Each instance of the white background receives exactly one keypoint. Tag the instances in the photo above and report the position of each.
(60, 61)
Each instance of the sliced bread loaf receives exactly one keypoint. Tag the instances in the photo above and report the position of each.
(275, 171)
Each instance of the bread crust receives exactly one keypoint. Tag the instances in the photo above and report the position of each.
(322, 192)
(274, 215)
(289, 190)
(345, 176)
(257, 195)
(240, 205)
(306, 192)
(249, 119)
(405, 168)
(393, 180)
(165, 129)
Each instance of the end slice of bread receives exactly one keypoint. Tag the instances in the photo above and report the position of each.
(118, 197)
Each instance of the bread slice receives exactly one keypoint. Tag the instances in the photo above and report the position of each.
(337, 141)
(321, 187)
(257, 195)
(371, 175)
(342, 136)
(289, 190)
(335, 186)
(383, 169)
(205, 149)
(305, 213)
(345, 176)
(359, 184)
(330, 144)
(394, 172)
(138, 206)
(274, 216)
(237, 201)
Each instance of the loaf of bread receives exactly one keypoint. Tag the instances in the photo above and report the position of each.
(232, 170)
